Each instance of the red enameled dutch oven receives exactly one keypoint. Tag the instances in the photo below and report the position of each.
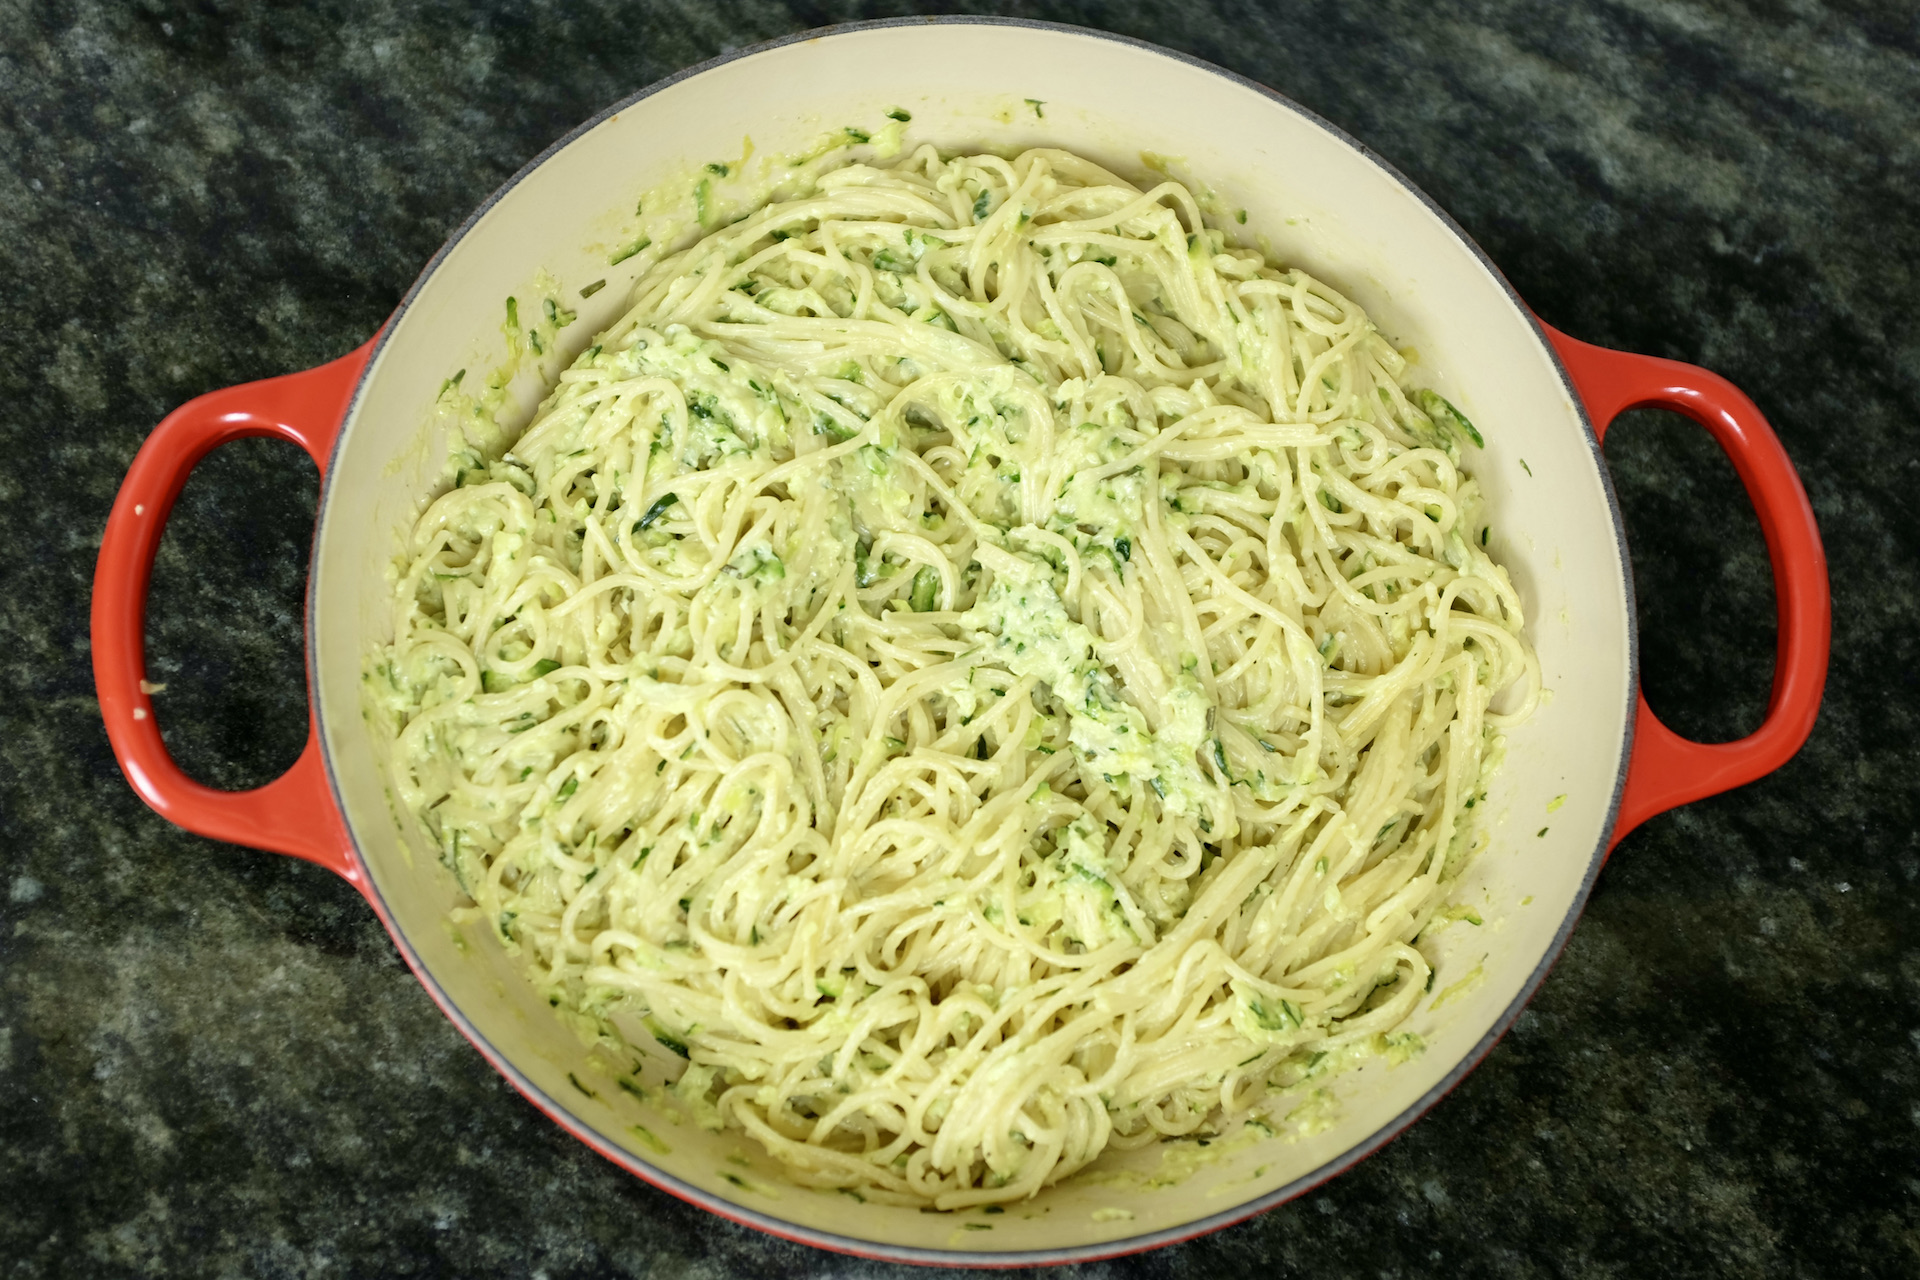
(1590, 766)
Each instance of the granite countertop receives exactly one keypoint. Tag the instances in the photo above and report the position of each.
(212, 1061)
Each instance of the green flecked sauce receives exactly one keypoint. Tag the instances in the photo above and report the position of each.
(969, 649)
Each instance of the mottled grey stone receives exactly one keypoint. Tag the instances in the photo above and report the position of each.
(212, 1062)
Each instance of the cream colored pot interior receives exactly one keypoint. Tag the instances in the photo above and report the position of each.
(1322, 205)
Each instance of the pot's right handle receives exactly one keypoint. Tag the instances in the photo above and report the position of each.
(1667, 770)
(295, 813)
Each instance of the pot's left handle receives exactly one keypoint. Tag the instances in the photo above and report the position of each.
(295, 813)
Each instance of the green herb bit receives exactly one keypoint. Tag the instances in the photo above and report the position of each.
(857, 135)
(719, 169)
(588, 291)
(1123, 547)
(650, 1141)
(701, 194)
(452, 382)
(1524, 467)
(575, 1081)
(568, 787)
(1286, 1017)
(1240, 215)
(621, 255)
(545, 667)
(558, 317)
(1441, 410)
(926, 590)
(658, 509)
(981, 203)
(1037, 104)
(901, 114)
(513, 313)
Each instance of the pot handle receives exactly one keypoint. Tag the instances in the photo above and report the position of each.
(295, 813)
(1668, 770)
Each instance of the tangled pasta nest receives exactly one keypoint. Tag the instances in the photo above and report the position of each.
(979, 666)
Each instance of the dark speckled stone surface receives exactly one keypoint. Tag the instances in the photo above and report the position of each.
(212, 1062)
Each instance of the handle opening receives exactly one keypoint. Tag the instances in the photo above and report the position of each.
(1702, 579)
(223, 632)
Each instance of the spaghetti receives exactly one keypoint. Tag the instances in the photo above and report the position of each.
(979, 666)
